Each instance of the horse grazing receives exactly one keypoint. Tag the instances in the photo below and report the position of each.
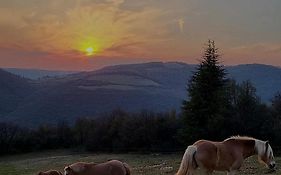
(50, 172)
(113, 167)
(227, 155)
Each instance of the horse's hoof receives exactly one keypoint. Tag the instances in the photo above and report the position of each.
(271, 171)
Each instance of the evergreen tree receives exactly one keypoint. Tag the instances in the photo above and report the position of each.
(205, 109)
(276, 115)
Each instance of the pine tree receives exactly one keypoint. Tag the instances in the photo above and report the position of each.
(205, 109)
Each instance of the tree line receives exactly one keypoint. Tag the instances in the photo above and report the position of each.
(215, 108)
(118, 131)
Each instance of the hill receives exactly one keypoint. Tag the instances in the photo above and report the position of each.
(266, 78)
(13, 90)
(37, 73)
(153, 86)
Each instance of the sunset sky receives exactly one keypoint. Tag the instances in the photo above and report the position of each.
(89, 34)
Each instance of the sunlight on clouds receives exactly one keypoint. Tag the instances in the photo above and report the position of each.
(89, 24)
(134, 29)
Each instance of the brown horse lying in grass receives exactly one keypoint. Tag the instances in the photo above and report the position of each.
(50, 172)
(113, 167)
(227, 155)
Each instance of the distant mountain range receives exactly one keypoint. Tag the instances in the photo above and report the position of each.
(66, 96)
(37, 73)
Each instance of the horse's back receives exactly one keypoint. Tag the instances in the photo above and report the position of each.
(115, 162)
(116, 167)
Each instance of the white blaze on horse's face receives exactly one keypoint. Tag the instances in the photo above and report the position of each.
(67, 170)
(265, 153)
(270, 157)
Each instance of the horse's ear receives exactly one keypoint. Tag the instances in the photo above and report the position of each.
(267, 143)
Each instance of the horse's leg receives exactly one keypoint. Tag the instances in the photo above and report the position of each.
(233, 172)
(236, 165)
(207, 172)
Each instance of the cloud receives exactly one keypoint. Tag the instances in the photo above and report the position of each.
(257, 48)
(136, 29)
(60, 27)
(181, 25)
(266, 53)
(116, 2)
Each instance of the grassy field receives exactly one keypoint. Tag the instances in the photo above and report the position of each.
(141, 164)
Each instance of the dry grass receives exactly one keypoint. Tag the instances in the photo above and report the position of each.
(141, 164)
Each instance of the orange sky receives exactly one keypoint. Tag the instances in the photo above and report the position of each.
(89, 34)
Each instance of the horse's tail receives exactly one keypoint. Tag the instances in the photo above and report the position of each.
(187, 164)
(127, 168)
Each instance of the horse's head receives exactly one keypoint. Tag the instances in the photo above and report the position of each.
(265, 154)
(68, 171)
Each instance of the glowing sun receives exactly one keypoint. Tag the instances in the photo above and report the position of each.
(89, 51)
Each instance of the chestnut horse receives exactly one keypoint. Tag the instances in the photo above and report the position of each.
(227, 155)
(113, 167)
(50, 172)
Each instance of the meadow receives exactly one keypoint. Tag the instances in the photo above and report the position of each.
(141, 164)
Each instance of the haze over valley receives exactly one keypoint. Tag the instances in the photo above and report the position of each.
(65, 96)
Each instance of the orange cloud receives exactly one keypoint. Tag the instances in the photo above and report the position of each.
(127, 30)
(85, 24)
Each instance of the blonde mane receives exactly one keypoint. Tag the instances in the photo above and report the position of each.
(240, 138)
(260, 146)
